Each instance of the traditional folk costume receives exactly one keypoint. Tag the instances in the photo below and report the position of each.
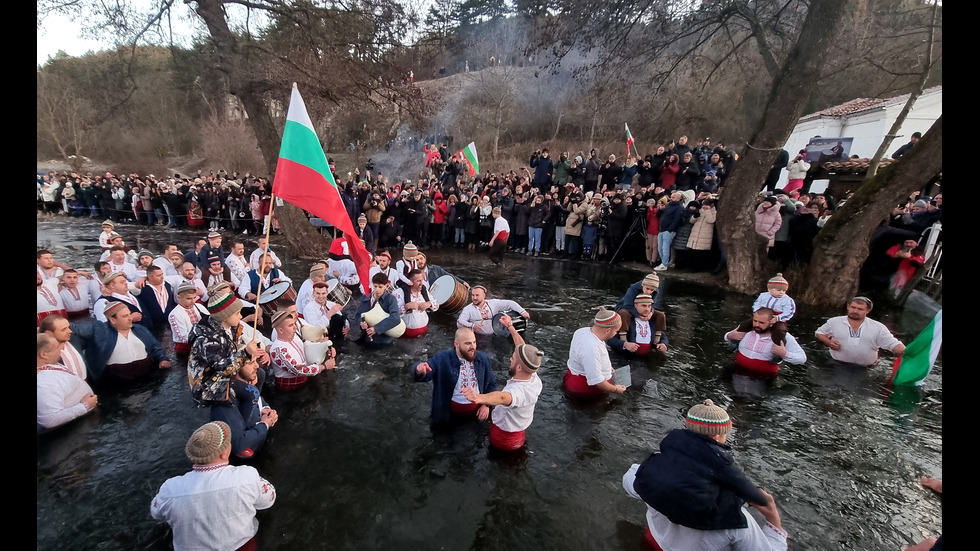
(416, 321)
(49, 301)
(59, 396)
(449, 375)
(480, 318)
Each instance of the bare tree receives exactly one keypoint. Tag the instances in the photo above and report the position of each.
(64, 118)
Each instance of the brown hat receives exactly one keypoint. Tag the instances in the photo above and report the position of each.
(530, 356)
(207, 443)
(223, 304)
(318, 270)
(708, 419)
(279, 317)
(106, 279)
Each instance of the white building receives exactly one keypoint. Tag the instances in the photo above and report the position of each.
(867, 121)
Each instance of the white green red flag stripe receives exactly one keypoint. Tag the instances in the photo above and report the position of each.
(920, 355)
(629, 138)
(468, 154)
(304, 179)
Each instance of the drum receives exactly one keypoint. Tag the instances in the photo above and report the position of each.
(376, 315)
(338, 293)
(271, 297)
(449, 294)
(519, 323)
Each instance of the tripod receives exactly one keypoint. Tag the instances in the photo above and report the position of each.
(638, 227)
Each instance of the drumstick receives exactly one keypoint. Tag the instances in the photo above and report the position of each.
(268, 230)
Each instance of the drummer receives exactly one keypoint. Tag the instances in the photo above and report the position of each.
(478, 315)
(415, 306)
(375, 335)
(318, 274)
(342, 268)
(249, 288)
(322, 312)
(384, 266)
(432, 272)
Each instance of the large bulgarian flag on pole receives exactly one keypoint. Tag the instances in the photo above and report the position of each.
(468, 154)
(304, 179)
(915, 364)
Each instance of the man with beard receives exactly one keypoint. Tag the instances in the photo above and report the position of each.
(453, 370)
(756, 350)
(856, 338)
(478, 316)
(640, 337)
(514, 409)
(188, 274)
(236, 261)
(384, 267)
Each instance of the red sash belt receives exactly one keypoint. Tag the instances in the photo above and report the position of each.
(760, 366)
(504, 440)
(79, 314)
(289, 384)
(182, 348)
(412, 333)
(644, 349)
(463, 410)
(579, 385)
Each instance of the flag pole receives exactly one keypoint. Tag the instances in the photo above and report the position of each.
(258, 295)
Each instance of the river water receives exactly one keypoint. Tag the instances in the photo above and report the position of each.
(356, 466)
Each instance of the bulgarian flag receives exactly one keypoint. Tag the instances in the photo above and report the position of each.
(468, 154)
(915, 364)
(629, 139)
(303, 178)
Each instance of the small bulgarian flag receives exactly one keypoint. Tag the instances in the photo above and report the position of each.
(304, 179)
(468, 154)
(629, 139)
(915, 364)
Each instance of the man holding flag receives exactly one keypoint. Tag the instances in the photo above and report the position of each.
(856, 338)
(303, 178)
(629, 140)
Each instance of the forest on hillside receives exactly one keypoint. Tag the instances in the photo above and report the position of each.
(501, 74)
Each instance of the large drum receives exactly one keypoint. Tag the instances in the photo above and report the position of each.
(451, 295)
(274, 295)
(376, 315)
(338, 293)
(519, 323)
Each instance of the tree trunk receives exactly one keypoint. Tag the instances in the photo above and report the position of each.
(841, 247)
(787, 99)
(304, 239)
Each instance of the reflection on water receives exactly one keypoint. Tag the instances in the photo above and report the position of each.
(356, 465)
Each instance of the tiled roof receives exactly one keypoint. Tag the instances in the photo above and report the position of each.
(864, 104)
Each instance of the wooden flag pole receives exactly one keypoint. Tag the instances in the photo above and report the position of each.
(258, 295)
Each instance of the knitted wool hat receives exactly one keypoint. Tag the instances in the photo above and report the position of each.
(643, 299)
(606, 318)
(410, 250)
(113, 307)
(318, 270)
(223, 304)
(108, 223)
(186, 287)
(708, 419)
(777, 281)
(145, 252)
(207, 442)
(362, 217)
(114, 235)
(496, 210)
(651, 280)
(213, 234)
(213, 258)
(530, 356)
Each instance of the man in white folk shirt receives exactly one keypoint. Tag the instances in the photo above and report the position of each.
(288, 355)
(236, 261)
(513, 407)
(384, 266)
(77, 298)
(249, 288)
(166, 262)
(321, 312)
(318, 274)
(59, 328)
(118, 287)
(589, 372)
(756, 350)
(415, 306)
(62, 396)
(49, 301)
(118, 263)
(856, 338)
(188, 274)
(183, 317)
(214, 505)
(478, 315)
(263, 248)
